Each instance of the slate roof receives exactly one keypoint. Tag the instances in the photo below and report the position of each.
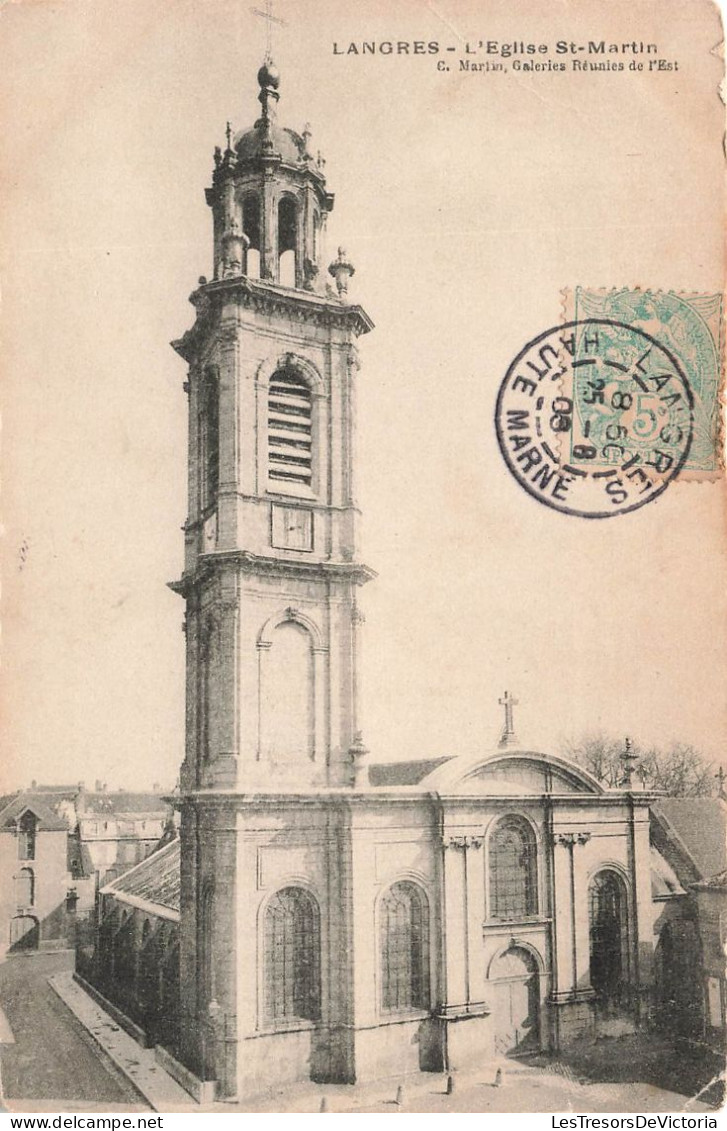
(155, 880)
(40, 804)
(700, 824)
(120, 803)
(404, 773)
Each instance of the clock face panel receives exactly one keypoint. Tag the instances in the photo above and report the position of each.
(291, 528)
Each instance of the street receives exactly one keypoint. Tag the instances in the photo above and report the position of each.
(52, 1058)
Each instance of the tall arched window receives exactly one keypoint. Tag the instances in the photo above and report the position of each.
(608, 930)
(513, 870)
(404, 948)
(25, 888)
(210, 435)
(287, 697)
(27, 828)
(290, 411)
(292, 963)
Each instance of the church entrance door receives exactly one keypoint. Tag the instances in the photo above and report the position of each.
(515, 996)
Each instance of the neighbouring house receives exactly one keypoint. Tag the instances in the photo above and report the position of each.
(58, 844)
(119, 828)
(42, 879)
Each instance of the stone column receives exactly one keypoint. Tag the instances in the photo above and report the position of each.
(464, 914)
(269, 226)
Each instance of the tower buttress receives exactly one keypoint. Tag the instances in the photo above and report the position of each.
(271, 555)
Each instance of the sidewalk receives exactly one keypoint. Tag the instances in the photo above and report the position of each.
(139, 1065)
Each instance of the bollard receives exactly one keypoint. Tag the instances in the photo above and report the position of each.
(324, 1104)
(450, 1084)
(498, 1078)
(400, 1096)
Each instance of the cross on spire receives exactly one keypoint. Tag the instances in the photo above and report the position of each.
(720, 776)
(270, 19)
(508, 734)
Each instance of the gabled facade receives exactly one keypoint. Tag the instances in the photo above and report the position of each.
(39, 886)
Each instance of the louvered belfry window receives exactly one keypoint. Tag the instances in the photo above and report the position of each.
(290, 438)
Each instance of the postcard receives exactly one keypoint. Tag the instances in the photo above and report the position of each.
(364, 549)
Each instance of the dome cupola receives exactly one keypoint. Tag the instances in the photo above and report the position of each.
(269, 199)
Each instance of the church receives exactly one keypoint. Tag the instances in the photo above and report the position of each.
(320, 916)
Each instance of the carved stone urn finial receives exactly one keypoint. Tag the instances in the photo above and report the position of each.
(342, 269)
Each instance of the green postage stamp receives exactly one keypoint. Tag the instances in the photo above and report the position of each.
(690, 326)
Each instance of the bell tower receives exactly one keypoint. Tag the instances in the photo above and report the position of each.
(271, 556)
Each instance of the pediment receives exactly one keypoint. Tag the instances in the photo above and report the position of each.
(512, 773)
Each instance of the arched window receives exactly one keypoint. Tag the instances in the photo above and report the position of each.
(27, 828)
(292, 965)
(404, 948)
(251, 228)
(287, 697)
(287, 239)
(513, 870)
(210, 436)
(608, 930)
(289, 431)
(25, 888)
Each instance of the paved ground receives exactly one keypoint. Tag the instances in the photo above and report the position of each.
(57, 1057)
(523, 1089)
(53, 1058)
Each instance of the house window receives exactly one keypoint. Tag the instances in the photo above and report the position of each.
(404, 948)
(25, 888)
(513, 870)
(290, 435)
(210, 433)
(292, 957)
(27, 827)
(608, 930)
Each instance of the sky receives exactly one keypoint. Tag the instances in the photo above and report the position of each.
(467, 202)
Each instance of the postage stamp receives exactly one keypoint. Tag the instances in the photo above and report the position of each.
(595, 417)
(691, 327)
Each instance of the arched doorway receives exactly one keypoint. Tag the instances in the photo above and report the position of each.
(24, 933)
(515, 997)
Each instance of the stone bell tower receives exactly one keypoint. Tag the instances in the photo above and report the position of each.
(271, 558)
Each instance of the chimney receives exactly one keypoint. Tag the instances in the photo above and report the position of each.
(33, 784)
(156, 787)
(99, 786)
